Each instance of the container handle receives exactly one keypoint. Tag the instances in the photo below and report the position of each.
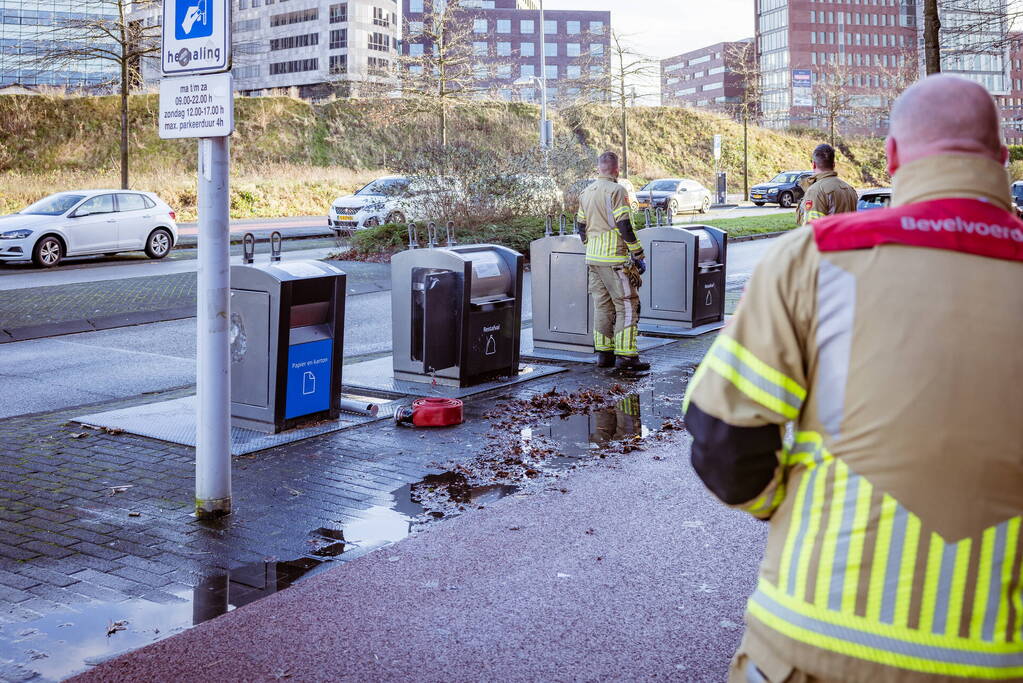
(562, 224)
(451, 234)
(658, 216)
(646, 217)
(275, 246)
(248, 248)
(671, 217)
(548, 224)
(431, 235)
(413, 236)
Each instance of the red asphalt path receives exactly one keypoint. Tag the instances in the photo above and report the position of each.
(634, 573)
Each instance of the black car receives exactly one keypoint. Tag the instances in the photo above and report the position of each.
(784, 189)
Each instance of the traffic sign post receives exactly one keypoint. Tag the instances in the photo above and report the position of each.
(197, 101)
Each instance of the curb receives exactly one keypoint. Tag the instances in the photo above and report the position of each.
(760, 236)
(236, 237)
(107, 322)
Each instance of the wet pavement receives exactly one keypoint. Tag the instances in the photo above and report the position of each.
(99, 552)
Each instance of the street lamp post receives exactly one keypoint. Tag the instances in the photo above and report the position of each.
(546, 129)
(545, 141)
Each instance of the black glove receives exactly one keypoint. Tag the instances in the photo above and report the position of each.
(640, 264)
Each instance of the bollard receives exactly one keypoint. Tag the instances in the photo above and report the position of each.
(451, 234)
(275, 246)
(413, 236)
(248, 248)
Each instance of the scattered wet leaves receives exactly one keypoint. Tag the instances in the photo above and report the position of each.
(119, 489)
(134, 514)
(79, 435)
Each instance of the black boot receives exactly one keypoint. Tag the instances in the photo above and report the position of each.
(605, 359)
(632, 364)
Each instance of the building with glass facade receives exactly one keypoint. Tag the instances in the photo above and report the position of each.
(27, 27)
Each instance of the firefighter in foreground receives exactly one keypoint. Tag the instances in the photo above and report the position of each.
(890, 339)
(826, 193)
(615, 262)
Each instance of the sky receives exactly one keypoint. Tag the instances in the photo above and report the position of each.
(663, 28)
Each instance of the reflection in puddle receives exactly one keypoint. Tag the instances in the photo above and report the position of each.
(59, 645)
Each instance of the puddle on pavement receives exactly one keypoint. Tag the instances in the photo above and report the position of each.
(62, 644)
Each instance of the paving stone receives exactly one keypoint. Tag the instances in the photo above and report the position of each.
(97, 592)
(101, 551)
(20, 581)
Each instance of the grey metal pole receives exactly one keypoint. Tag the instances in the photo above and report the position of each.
(544, 142)
(213, 405)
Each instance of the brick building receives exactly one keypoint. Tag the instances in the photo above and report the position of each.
(869, 46)
(710, 77)
(1012, 103)
(507, 44)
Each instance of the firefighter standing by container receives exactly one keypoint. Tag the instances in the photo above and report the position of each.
(890, 339)
(615, 263)
(826, 193)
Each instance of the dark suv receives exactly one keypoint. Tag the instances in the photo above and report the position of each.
(784, 189)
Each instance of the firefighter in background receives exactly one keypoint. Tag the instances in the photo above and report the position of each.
(826, 193)
(890, 338)
(615, 264)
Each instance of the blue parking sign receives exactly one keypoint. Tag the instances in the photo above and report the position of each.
(308, 375)
(193, 19)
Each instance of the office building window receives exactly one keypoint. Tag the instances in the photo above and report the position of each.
(527, 49)
(415, 50)
(480, 49)
(339, 13)
(552, 72)
(479, 26)
(597, 28)
(298, 17)
(504, 25)
(550, 27)
(296, 66)
(527, 27)
(597, 49)
(550, 49)
(573, 27)
(572, 49)
(527, 71)
(415, 6)
(504, 49)
(504, 71)
(290, 42)
(380, 42)
(381, 17)
(416, 28)
(573, 71)
(338, 64)
(338, 38)
(378, 66)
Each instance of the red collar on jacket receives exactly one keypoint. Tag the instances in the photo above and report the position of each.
(971, 226)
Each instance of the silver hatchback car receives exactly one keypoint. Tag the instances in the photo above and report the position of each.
(88, 222)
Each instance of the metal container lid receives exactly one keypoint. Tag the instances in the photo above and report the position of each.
(491, 276)
(707, 251)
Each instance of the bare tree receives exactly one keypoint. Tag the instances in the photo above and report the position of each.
(446, 71)
(107, 36)
(932, 37)
(834, 99)
(619, 78)
(741, 60)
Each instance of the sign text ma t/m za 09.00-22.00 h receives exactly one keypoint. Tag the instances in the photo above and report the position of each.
(196, 36)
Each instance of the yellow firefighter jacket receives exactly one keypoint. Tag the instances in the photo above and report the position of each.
(602, 207)
(826, 195)
(890, 340)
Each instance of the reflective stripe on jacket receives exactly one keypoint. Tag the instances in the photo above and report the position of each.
(601, 206)
(891, 340)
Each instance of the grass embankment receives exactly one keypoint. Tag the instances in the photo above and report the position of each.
(290, 157)
(381, 242)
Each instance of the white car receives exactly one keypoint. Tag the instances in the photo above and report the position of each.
(88, 222)
(391, 199)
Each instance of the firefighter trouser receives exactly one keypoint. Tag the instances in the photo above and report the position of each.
(615, 292)
(620, 422)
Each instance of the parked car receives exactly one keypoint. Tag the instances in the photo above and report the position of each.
(391, 199)
(674, 195)
(1017, 197)
(785, 189)
(879, 198)
(88, 222)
